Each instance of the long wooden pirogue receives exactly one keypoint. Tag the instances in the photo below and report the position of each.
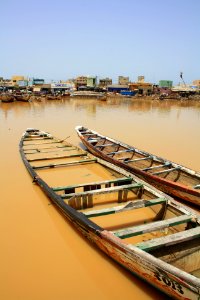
(172, 178)
(140, 227)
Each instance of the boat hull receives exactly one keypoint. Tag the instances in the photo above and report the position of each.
(164, 276)
(172, 188)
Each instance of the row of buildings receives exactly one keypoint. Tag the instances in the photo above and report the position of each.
(91, 83)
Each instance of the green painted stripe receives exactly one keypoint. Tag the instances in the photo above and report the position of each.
(158, 225)
(170, 239)
(105, 190)
(117, 180)
(128, 206)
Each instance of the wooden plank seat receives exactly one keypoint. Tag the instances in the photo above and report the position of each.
(150, 227)
(89, 134)
(121, 151)
(36, 138)
(131, 205)
(104, 145)
(84, 161)
(157, 167)
(53, 150)
(169, 240)
(166, 171)
(57, 157)
(126, 160)
(68, 148)
(197, 186)
(107, 183)
(93, 141)
(40, 144)
(129, 187)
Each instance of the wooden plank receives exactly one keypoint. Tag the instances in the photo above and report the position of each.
(169, 240)
(56, 142)
(105, 190)
(93, 141)
(158, 225)
(138, 159)
(38, 138)
(156, 167)
(131, 205)
(117, 180)
(69, 148)
(104, 145)
(166, 171)
(120, 151)
(57, 157)
(57, 149)
(85, 161)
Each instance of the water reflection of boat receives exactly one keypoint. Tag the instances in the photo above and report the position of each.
(168, 176)
(138, 226)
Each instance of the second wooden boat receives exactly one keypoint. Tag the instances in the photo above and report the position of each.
(170, 177)
(138, 226)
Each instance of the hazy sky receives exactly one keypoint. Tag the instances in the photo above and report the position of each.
(64, 39)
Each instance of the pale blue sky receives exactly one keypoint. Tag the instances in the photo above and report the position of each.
(64, 39)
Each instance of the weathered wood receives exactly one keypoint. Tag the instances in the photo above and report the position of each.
(120, 151)
(93, 141)
(131, 205)
(166, 171)
(156, 167)
(126, 160)
(155, 226)
(85, 161)
(57, 149)
(38, 138)
(116, 180)
(55, 142)
(104, 145)
(57, 157)
(105, 190)
(172, 239)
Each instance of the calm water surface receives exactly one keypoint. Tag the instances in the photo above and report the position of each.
(42, 256)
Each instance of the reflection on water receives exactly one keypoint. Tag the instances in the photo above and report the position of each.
(42, 256)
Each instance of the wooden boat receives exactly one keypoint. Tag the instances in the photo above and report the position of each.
(6, 98)
(22, 97)
(138, 226)
(88, 94)
(172, 178)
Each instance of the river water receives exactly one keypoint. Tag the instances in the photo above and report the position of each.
(42, 256)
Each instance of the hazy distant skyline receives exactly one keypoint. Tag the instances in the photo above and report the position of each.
(62, 39)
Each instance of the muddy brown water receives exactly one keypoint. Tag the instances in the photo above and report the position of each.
(42, 256)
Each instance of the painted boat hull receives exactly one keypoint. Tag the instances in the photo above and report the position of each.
(167, 278)
(172, 188)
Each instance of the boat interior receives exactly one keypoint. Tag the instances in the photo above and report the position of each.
(117, 201)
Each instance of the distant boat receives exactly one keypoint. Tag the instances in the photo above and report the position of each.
(170, 177)
(128, 93)
(22, 97)
(88, 94)
(6, 98)
(138, 226)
